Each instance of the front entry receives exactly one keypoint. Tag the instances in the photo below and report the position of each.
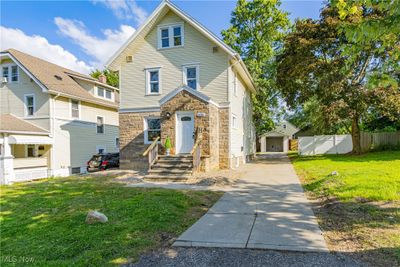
(184, 132)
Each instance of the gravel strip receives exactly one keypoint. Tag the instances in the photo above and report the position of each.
(242, 257)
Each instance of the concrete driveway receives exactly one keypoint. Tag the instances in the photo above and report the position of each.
(266, 209)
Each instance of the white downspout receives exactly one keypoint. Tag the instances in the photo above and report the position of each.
(53, 121)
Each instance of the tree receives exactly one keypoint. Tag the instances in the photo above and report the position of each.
(112, 77)
(315, 64)
(256, 33)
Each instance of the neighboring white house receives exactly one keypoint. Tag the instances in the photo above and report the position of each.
(277, 140)
(179, 80)
(52, 120)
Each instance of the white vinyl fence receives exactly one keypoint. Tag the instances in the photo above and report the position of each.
(325, 144)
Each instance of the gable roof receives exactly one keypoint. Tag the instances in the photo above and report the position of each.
(191, 91)
(158, 13)
(11, 124)
(55, 79)
(289, 130)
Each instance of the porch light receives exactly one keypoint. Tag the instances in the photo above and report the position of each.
(168, 115)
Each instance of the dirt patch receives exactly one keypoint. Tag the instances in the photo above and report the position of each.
(121, 176)
(369, 232)
(215, 178)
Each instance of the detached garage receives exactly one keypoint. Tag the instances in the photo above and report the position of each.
(277, 140)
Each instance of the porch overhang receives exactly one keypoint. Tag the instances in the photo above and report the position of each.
(19, 139)
(191, 91)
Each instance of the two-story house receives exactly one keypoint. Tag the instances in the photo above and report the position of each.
(52, 119)
(179, 80)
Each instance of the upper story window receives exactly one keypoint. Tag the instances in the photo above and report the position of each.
(29, 101)
(153, 81)
(191, 76)
(100, 125)
(75, 109)
(170, 36)
(105, 93)
(11, 73)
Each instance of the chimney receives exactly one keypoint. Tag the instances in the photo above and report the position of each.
(102, 78)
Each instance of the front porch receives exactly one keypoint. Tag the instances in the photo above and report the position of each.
(197, 127)
(24, 158)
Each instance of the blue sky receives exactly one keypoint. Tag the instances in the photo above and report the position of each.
(80, 34)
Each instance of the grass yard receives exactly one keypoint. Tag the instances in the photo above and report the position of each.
(43, 222)
(359, 209)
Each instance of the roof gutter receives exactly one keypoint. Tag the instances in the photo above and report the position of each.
(84, 99)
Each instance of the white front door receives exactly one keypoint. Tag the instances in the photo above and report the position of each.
(184, 132)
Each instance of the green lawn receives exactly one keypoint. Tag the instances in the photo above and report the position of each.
(374, 176)
(359, 209)
(44, 221)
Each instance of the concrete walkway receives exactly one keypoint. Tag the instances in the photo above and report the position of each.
(266, 209)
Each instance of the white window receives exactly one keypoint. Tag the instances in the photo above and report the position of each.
(31, 151)
(5, 72)
(14, 73)
(29, 105)
(170, 36)
(105, 93)
(11, 73)
(75, 109)
(191, 76)
(100, 149)
(153, 81)
(100, 125)
(117, 142)
(152, 129)
(234, 121)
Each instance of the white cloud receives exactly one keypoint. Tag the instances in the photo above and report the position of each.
(100, 49)
(125, 9)
(40, 47)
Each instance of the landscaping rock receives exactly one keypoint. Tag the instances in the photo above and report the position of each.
(94, 216)
(334, 173)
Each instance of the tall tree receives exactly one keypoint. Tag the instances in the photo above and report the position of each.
(112, 77)
(316, 64)
(256, 33)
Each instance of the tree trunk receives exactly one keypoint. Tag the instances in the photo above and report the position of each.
(355, 136)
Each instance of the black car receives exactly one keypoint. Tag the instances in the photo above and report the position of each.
(101, 162)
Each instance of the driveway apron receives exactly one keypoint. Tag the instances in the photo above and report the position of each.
(266, 209)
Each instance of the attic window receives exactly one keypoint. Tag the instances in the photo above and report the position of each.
(58, 77)
(170, 36)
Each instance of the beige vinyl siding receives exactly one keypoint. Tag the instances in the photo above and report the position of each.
(76, 139)
(88, 112)
(12, 99)
(242, 138)
(196, 49)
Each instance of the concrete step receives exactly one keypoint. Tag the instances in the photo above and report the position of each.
(170, 171)
(174, 165)
(176, 156)
(166, 178)
(174, 160)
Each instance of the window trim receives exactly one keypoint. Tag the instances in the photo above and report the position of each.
(98, 147)
(234, 121)
(170, 27)
(104, 97)
(26, 107)
(104, 128)
(146, 128)
(79, 109)
(115, 142)
(9, 77)
(147, 77)
(184, 74)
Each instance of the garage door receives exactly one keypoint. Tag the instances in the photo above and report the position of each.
(274, 144)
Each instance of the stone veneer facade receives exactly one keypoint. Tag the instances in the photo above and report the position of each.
(213, 125)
